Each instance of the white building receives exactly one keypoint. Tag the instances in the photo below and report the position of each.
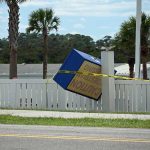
(123, 70)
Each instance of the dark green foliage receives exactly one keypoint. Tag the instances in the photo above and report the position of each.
(30, 47)
(124, 40)
(4, 51)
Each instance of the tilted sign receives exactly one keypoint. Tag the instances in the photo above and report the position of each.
(87, 85)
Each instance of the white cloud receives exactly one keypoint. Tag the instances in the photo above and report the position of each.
(112, 33)
(62, 29)
(74, 32)
(3, 19)
(87, 7)
(22, 27)
(148, 12)
(109, 33)
(82, 8)
(39, 3)
(82, 19)
(1, 12)
(3, 16)
(104, 27)
(78, 26)
(94, 8)
(94, 37)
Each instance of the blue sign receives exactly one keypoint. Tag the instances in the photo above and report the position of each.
(89, 86)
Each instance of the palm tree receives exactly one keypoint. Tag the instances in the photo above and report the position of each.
(145, 27)
(13, 34)
(126, 40)
(44, 21)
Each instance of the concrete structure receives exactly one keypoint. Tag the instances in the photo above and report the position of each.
(34, 71)
(57, 114)
(138, 38)
(108, 86)
(29, 71)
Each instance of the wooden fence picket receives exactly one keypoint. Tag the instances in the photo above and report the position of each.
(39, 94)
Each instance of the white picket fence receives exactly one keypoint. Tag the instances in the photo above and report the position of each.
(42, 94)
(130, 96)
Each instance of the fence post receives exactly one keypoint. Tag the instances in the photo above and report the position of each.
(108, 86)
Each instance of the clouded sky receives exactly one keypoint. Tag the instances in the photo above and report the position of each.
(95, 18)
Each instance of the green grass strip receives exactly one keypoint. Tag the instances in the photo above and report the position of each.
(86, 122)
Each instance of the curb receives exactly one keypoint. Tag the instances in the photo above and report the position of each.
(56, 114)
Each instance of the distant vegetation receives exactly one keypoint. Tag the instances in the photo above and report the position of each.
(30, 47)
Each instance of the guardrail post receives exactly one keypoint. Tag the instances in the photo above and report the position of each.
(108, 85)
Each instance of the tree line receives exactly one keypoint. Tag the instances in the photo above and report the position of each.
(30, 47)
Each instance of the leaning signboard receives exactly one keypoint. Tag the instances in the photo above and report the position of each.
(86, 85)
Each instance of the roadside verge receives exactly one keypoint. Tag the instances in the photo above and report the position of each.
(56, 114)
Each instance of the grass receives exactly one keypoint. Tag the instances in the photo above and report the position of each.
(85, 122)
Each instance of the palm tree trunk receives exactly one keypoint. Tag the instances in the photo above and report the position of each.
(144, 52)
(45, 51)
(131, 70)
(13, 36)
(144, 68)
(131, 62)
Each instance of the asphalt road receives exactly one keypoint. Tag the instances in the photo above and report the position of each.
(21, 137)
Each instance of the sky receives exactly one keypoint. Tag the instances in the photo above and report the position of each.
(95, 18)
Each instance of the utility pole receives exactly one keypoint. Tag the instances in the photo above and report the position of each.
(138, 39)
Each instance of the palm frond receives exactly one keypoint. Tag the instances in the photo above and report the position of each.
(21, 1)
(49, 15)
(43, 19)
(55, 22)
